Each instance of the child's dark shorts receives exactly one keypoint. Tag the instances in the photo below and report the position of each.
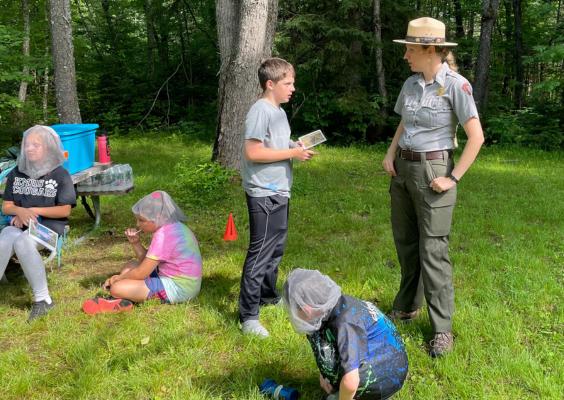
(156, 287)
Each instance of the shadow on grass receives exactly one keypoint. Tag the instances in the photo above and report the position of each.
(13, 293)
(94, 282)
(219, 292)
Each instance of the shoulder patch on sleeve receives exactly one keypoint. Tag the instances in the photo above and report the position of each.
(466, 87)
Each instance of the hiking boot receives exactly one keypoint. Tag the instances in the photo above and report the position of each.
(441, 344)
(98, 305)
(40, 309)
(402, 316)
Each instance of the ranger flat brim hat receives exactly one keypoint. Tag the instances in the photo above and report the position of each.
(426, 31)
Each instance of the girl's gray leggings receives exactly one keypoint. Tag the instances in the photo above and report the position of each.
(15, 241)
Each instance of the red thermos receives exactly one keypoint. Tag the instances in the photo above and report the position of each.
(104, 147)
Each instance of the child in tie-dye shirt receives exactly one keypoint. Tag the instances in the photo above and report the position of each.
(170, 270)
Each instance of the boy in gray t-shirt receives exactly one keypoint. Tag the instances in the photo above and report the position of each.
(267, 178)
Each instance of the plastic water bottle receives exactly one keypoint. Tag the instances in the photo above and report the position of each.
(95, 182)
(107, 178)
(120, 177)
(273, 390)
(89, 184)
(128, 176)
(116, 182)
(81, 187)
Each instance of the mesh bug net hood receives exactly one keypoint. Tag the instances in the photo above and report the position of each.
(309, 298)
(158, 207)
(41, 152)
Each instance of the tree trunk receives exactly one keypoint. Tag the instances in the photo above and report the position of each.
(468, 58)
(46, 88)
(46, 83)
(520, 75)
(355, 51)
(508, 59)
(246, 34)
(150, 37)
(189, 76)
(63, 62)
(459, 26)
(23, 85)
(380, 73)
(481, 79)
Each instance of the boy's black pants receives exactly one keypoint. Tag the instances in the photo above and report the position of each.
(268, 220)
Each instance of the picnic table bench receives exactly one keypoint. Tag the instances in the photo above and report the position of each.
(95, 196)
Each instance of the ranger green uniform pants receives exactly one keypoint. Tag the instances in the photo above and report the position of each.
(421, 220)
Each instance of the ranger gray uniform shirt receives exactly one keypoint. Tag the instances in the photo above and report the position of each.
(431, 112)
(269, 124)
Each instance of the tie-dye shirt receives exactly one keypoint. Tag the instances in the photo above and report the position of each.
(359, 335)
(180, 267)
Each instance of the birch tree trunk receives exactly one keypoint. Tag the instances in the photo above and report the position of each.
(520, 73)
(380, 73)
(246, 31)
(23, 85)
(481, 79)
(63, 62)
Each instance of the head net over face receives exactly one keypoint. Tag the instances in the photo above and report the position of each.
(158, 207)
(309, 298)
(41, 152)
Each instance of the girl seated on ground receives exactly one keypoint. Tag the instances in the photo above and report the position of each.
(170, 270)
(357, 349)
(38, 187)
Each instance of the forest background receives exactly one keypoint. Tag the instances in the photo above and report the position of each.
(152, 64)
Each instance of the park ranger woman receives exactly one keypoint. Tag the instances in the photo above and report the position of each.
(424, 178)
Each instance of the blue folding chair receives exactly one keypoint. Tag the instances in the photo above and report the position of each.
(5, 173)
(60, 243)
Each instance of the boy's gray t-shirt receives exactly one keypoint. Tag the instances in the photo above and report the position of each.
(269, 124)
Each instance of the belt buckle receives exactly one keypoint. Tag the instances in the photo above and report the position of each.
(402, 152)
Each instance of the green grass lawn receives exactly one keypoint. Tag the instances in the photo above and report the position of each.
(507, 249)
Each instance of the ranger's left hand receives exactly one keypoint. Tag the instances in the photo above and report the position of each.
(440, 185)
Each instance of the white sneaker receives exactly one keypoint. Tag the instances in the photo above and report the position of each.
(254, 327)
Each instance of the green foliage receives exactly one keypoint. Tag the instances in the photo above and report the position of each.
(202, 183)
(10, 68)
(330, 43)
(525, 127)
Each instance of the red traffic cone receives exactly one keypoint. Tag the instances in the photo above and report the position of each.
(230, 232)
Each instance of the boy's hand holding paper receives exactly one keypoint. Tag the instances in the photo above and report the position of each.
(303, 154)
